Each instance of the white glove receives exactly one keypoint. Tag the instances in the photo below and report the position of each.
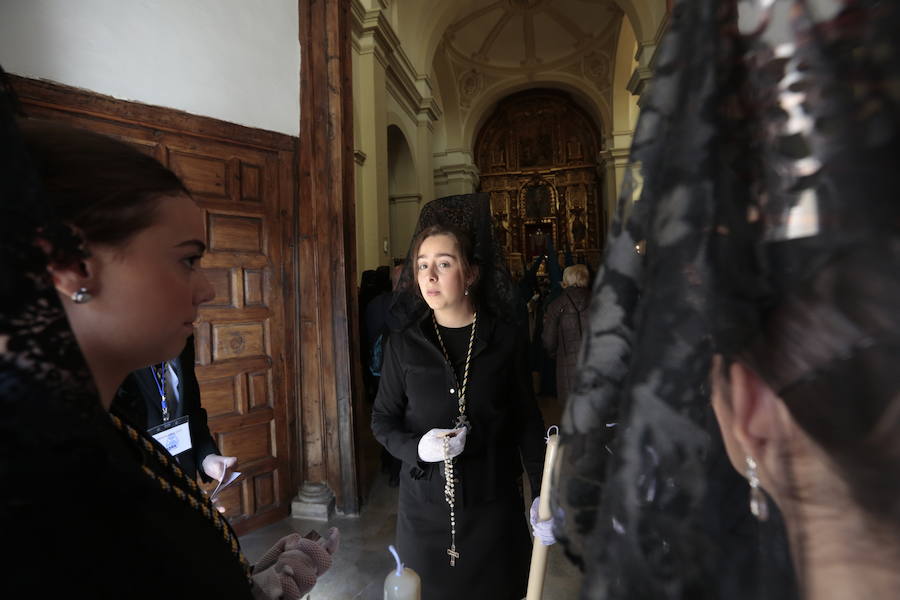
(543, 530)
(217, 466)
(431, 446)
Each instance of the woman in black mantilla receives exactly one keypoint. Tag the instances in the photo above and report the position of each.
(769, 235)
(99, 246)
(456, 395)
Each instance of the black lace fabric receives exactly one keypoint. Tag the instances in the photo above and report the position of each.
(36, 341)
(763, 151)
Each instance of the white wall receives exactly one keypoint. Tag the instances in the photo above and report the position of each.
(235, 60)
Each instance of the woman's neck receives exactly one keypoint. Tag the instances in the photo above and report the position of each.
(457, 316)
(844, 555)
(107, 379)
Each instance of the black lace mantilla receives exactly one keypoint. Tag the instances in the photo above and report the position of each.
(764, 149)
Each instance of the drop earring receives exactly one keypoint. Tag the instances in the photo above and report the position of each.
(759, 506)
(81, 296)
(466, 293)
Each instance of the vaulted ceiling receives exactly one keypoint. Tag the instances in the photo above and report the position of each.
(526, 35)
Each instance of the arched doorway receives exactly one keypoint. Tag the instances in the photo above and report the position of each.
(403, 192)
(538, 157)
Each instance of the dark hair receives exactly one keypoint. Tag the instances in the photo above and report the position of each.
(466, 256)
(104, 189)
(830, 349)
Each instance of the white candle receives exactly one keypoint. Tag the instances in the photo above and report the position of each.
(402, 583)
(539, 550)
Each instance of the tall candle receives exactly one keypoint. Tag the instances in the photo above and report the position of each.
(539, 550)
(402, 583)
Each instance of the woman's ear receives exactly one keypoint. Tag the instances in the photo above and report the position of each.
(752, 419)
(474, 273)
(72, 276)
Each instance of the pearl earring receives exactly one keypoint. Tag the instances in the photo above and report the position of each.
(81, 296)
(759, 506)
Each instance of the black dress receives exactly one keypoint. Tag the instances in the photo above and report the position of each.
(507, 431)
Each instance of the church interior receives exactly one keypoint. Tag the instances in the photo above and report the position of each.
(311, 133)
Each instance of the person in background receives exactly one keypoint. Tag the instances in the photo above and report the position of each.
(455, 405)
(99, 275)
(379, 324)
(565, 321)
(141, 399)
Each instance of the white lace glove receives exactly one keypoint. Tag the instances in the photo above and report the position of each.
(431, 446)
(217, 466)
(543, 530)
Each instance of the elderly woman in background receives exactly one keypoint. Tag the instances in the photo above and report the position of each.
(564, 322)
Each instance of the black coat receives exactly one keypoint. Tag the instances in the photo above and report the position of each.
(564, 323)
(507, 431)
(138, 399)
(84, 518)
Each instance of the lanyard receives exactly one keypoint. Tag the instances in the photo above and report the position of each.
(159, 378)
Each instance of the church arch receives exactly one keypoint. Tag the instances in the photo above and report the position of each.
(404, 195)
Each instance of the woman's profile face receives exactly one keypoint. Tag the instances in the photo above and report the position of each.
(146, 293)
(439, 273)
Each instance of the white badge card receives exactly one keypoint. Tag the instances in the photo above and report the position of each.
(174, 435)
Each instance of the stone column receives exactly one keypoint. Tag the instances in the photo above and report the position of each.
(454, 173)
(370, 104)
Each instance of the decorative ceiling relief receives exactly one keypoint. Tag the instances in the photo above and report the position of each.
(529, 35)
(470, 84)
(528, 39)
(596, 68)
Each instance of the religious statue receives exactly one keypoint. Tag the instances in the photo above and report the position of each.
(501, 229)
(538, 201)
(579, 230)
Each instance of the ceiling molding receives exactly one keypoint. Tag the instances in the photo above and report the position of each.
(373, 32)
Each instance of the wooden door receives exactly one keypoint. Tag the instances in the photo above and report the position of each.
(240, 337)
(244, 180)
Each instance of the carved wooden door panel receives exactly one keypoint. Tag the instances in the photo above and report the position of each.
(240, 334)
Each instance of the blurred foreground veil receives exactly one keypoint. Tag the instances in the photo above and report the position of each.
(766, 144)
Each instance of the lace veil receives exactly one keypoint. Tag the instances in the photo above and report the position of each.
(763, 154)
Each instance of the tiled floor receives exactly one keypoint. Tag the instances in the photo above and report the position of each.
(363, 560)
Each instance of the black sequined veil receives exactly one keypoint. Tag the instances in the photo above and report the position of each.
(765, 149)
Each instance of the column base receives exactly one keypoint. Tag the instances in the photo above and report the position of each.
(314, 501)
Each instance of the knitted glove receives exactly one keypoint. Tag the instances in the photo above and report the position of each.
(543, 530)
(431, 446)
(289, 569)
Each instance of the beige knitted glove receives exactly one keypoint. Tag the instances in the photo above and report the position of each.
(291, 567)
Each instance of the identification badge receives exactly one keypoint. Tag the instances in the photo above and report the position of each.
(174, 435)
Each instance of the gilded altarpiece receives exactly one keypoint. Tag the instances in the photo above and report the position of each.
(538, 160)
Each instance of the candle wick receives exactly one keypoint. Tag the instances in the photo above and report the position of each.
(547, 437)
(397, 558)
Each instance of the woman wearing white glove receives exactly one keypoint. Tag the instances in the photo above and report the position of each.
(542, 530)
(455, 404)
(431, 446)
